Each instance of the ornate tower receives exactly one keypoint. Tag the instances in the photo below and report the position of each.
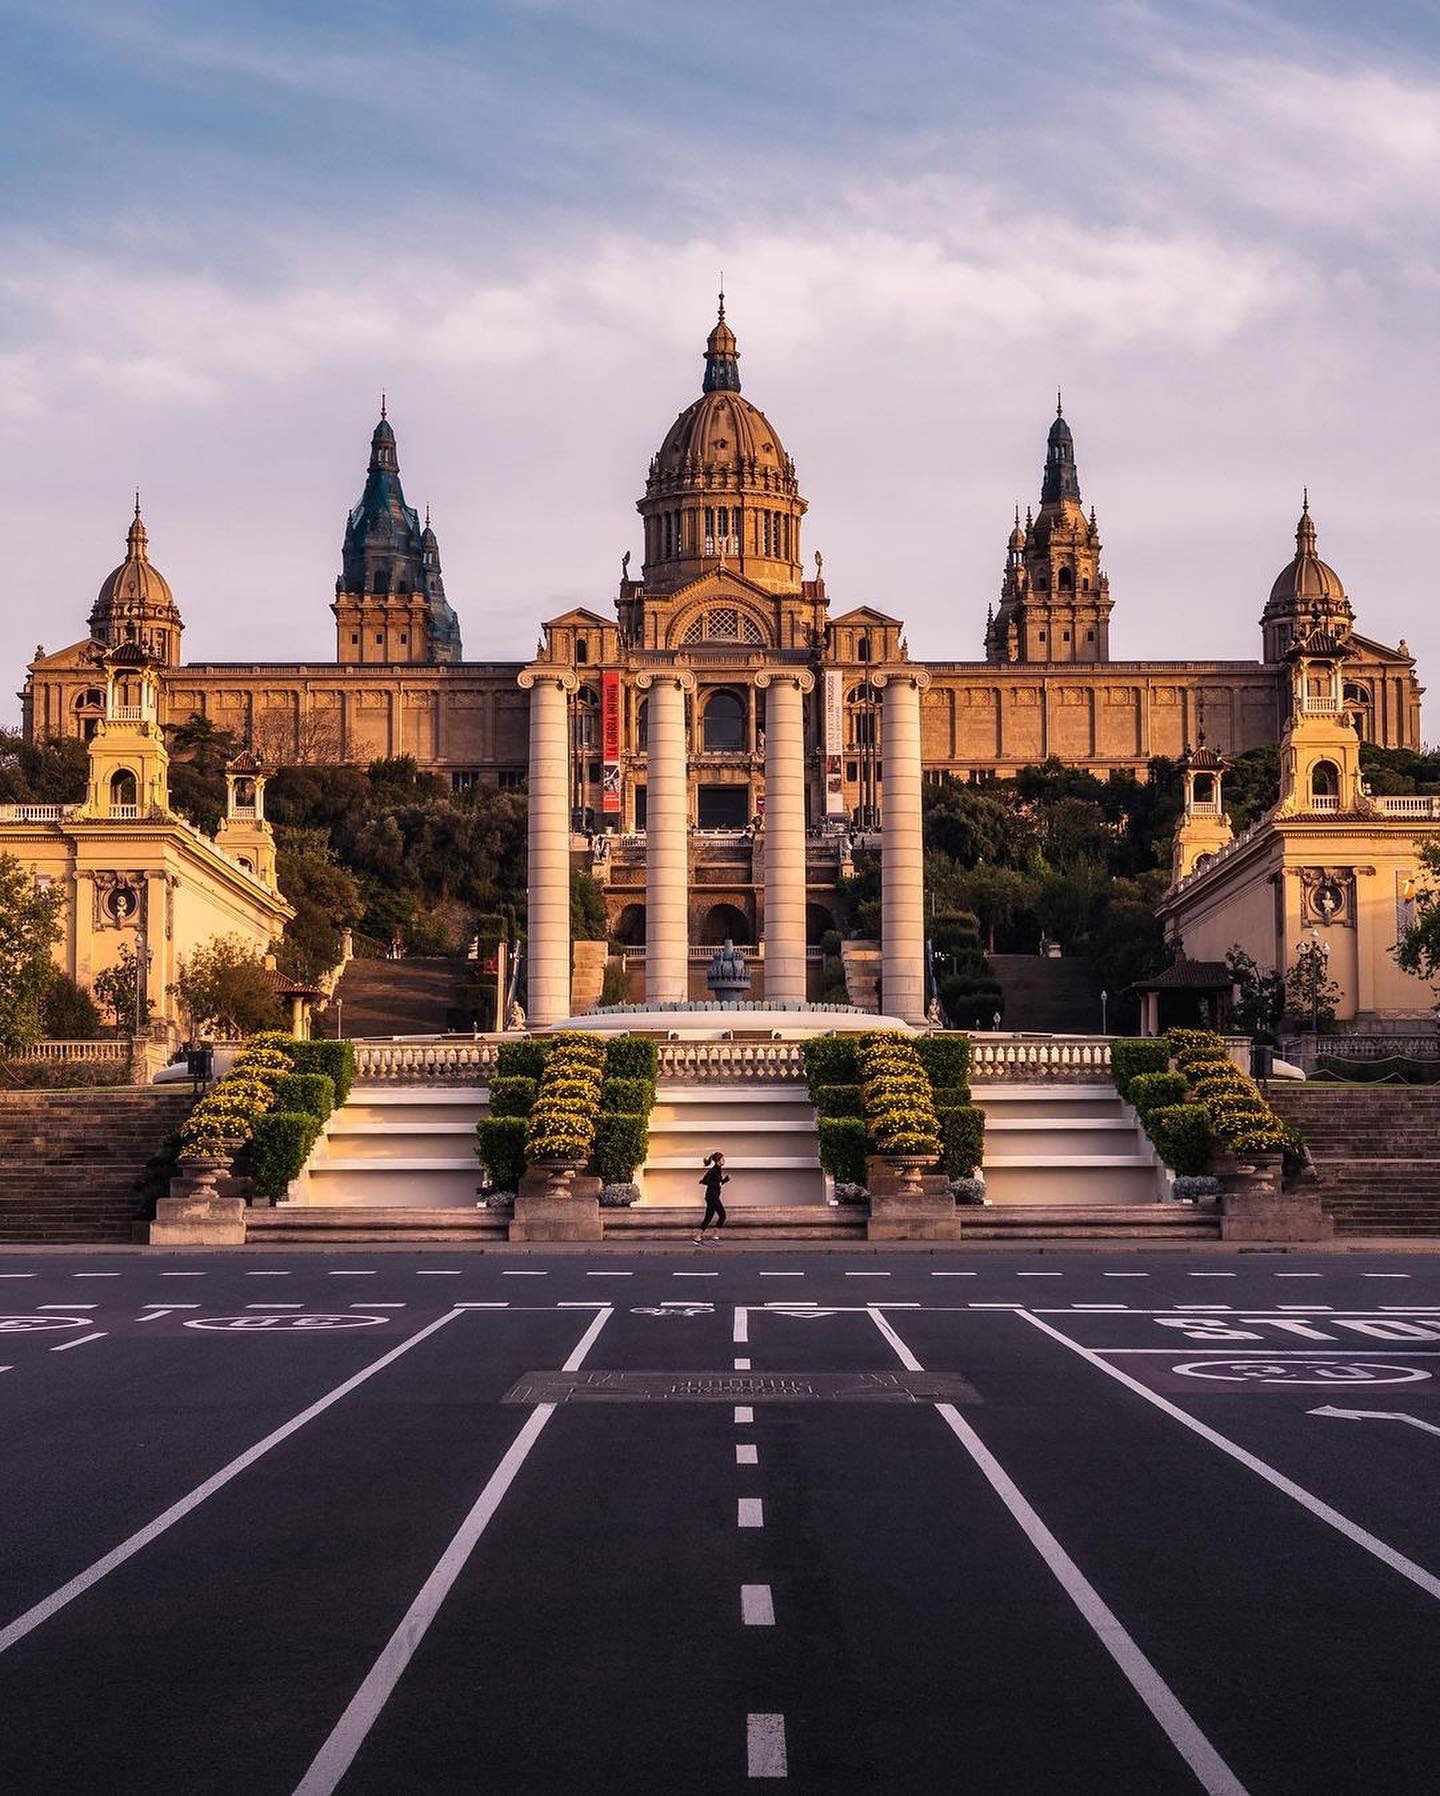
(1204, 829)
(129, 764)
(722, 491)
(135, 604)
(1054, 597)
(243, 833)
(390, 603)
(1320, 748)
(1306, 592)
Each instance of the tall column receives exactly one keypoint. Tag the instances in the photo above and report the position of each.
(547, 982)
(902, 847)
(785, 835)
(667, 841)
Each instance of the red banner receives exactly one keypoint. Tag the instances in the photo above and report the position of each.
(610, 741)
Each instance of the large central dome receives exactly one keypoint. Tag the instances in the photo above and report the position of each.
(722, 490)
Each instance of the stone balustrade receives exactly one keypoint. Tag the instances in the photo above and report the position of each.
(95, 1052)
(424, 1062)
(732, 1062)
(1081, 1059)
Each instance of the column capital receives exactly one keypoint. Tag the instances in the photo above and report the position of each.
(799, 677)
(673, 676)
(540, 673)
(906, 672)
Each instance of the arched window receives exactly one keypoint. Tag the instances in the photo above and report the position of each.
(862, 649)
(1325, 780)
(1067, 579)
(1204, 788)
(724, 723)
(381, 582)
(630, 928)
(722, 923)
(582, 648)
(123, 789)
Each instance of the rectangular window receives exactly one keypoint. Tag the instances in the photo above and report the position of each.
(464, 779)
(512, 779)
(354, 638)
(852, 770)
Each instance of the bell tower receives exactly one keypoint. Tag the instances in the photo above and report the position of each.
(244, 834)
(129, 775)
(1320, 749)
(1204, 829)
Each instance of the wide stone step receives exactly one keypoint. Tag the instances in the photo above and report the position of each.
(755, 1181)
(448, 1182)
(345, 1224)
(1101, 1179)
(807, 1222)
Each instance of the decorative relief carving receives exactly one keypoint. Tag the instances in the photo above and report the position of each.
(1121, 695)
(1073, 696)
(1026, 695)
(118, 900)
(1165, 695)
(1328, 895)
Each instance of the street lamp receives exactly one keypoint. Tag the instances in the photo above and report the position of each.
(1318, 955)
(142, 980)
(1104, 1003)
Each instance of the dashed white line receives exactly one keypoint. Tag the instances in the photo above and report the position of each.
(757, 1606)
(744, 1413)
(116, 1275)
(373, 1305)
(1306, 1308)
(867, 1275)
(1101, 1306)
(609, 1275)
(184, 1275)
(1039, 1275)
(353, 1272)
(1384, 1275)
(954, 1275)
(525, 1274)
(694, 1275)
(16, 1275)
(1299, 1275)
(79, 1341)
(782, 1275)
(741, 1332)
(490, 1304)
(267, 1275)
(437, 1272)
(746, 1454)
(273, 1306)
(67, 1306)
(996, 1306)
(1212, 1275)
(1194, 1307)
(765, 1746)
(150, 1304)
(1125, 1275)
(742, 1365)
(750, 1513)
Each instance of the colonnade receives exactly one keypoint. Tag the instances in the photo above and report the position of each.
(667, 840)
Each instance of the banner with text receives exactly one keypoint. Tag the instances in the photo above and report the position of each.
(834, 744)
(610, 741)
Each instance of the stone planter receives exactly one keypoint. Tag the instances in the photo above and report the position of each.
(195, 1214)
(557, 1201)
(200, 1177)
(909, 1200)
(1254, 1208)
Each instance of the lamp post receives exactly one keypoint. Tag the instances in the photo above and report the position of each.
(1318, 955)
(142, 980)
(339, 1019)
(1104, 1006)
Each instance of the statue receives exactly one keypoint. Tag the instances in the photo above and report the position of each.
(819, 565)
(625, 565)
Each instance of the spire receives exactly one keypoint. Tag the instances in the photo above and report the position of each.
(722, 357)
(383, 458)
(1305, 529)
(136, 539)
(1061, 480)
(1059, 404)
(383, 412)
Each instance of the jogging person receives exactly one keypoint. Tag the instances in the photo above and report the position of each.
(713, 1177)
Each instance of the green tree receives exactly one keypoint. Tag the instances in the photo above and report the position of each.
(199, 750)
(115, 988)
(29, 928)
(53, 772)
(225, 988)
(1418, 950)
(67, 1011)
(1311, 995)
(1259, 997)
(589, 921)
(326, 898)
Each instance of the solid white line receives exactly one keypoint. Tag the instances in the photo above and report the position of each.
(744, 1413)
(52, 1604)
(750, 1513)
(745, 1454)
(348, 1735)
(1102, 1306)
(741, 1332)
(757, 1606)
(742, 1365)
(1213, 1774)
(765, 1746)
(79, 1341)
(1342, 1524)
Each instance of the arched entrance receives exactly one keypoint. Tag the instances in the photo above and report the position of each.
(629, 930)
(725, 922)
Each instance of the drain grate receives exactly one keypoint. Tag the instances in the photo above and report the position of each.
(742, 1387)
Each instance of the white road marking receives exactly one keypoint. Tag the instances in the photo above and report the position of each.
(274, 1306)
(1125, 1275)
(437, 1272)
(996, 1306)
(1211, 1771)
(155, 1315)
(1376, 1415)
(782, 1275)
(867, 1275)
(1203, 1306)
(337, 1755)
(745, 1454)
(742, 1365)
(792, 1303)
(1412, 1309)
(490, 1305)
(7, 1368)
(16, 1275)
(765, 1746)
(152, 1303)
(1102, 1306)
(267, 1275)
(353, 1272)
(79, 1341)
(1039, 1275)
(184, 1275)
(750, 1513)
(1299, 1275)
(68, 1307)
(1212, 1275)
(1342, 1524)
(744, 1413)
(1306, 1308)
(108, 1275)
(609, 1275)
(1384, 1275)
(741, 1332)
(694, 1275)
(83, 1581)
(374, 1305)
(524, 1274)
(757, 1606)
(954, 1275)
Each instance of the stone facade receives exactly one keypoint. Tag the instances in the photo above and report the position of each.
(723, 592)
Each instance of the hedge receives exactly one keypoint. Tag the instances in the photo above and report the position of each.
(632, 1057)
(1181, 1133)
(512, 1096)
(946, 1058)
(336, 1059)
(830, 1060)
(1135, 1055)
(948, 1096)
(500, 1143)
(520, 1060)
(626, 1097)
(622, 1140)
(839, 1100)
(280, 1144)
(962, 1139)
(899, 1109)
(842, 1148)
(1153, 1091)
(305, 1094)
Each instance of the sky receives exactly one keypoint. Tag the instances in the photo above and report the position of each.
(224, 228)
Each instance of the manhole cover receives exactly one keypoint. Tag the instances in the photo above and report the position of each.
(742, 1387)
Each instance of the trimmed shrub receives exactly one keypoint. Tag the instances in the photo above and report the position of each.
(946, 1058)
(305, 1094)
(512, 1096)
(520, 1060)
(621, 1143)
(280, 1144)
(839, 1100)
(632, 1057)
(1135, 1055)
(842, 1148)
(830, 943)
(1154, 1091)
(336, 1059)
(500, 1143)
(962, 1139)
(830, 1060)
(629, 1097)
(561, 1125)
(1181, 1133)
(948, 1096)
(899, 1110)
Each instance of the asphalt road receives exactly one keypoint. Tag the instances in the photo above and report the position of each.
(1001, 1524)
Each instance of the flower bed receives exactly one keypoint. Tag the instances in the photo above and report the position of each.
(276, 1098)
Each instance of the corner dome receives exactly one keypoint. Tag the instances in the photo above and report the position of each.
(1307, 578)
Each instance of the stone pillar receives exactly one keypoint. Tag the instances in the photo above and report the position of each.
(785, 835)
(547, 985)
(902, 846)
(667, 840)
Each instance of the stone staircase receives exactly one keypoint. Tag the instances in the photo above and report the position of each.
(402, 997)
(1374, 1148)
(395, 1147)
(1058, 1145)
(71, 1161)
(1061, 997)
(861, 964)
(767, 1134)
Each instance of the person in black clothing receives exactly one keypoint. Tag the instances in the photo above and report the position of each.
(713, 1177)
